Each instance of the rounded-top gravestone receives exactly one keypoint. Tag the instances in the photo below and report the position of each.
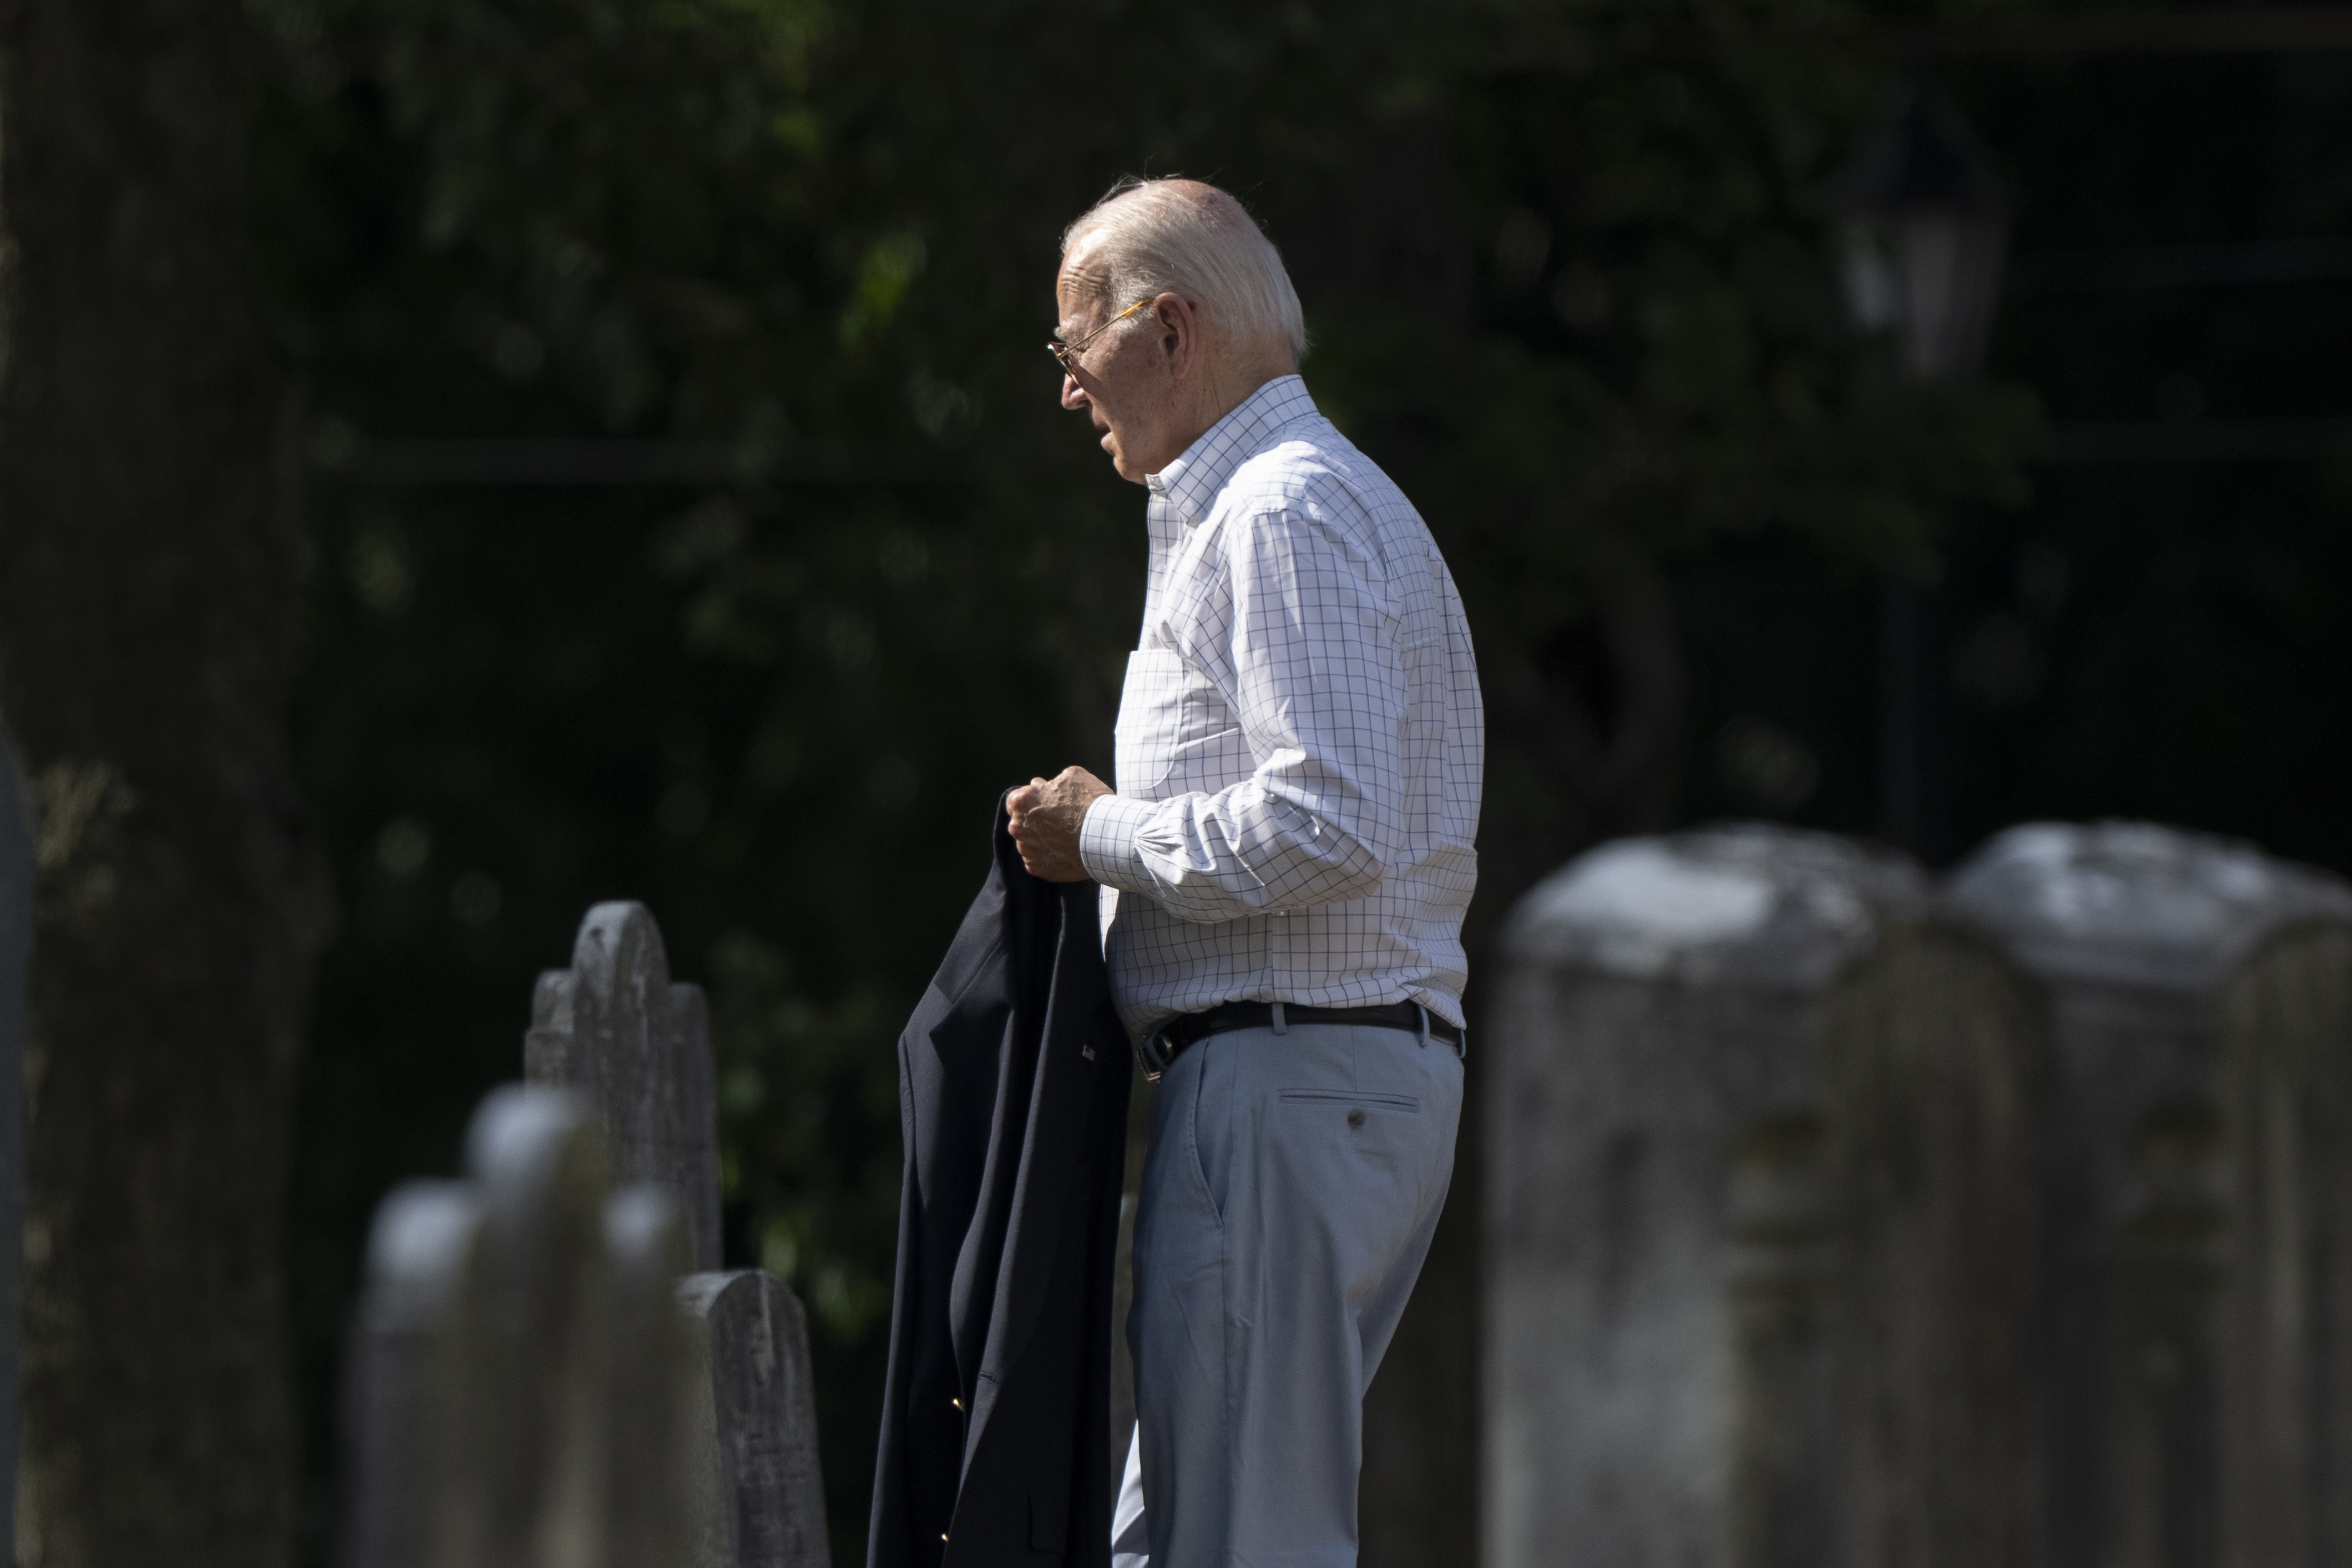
(2197, 1331)
(1759, 1204)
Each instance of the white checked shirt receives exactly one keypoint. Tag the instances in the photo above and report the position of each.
(1300, 741)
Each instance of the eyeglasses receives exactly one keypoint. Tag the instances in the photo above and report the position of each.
(1066, 355)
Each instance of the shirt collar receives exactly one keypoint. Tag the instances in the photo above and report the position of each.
(1190, 483)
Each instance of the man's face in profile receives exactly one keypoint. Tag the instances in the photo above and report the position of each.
(1123, 377)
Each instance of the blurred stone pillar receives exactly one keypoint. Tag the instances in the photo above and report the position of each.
(2198, 1179)
(1761, 1210)
(518, 1373)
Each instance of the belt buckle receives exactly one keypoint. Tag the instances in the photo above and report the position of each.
(1150, 1058)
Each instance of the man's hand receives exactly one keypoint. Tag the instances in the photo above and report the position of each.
(1045, 818)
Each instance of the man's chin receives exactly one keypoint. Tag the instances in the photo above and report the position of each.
(1118, 462)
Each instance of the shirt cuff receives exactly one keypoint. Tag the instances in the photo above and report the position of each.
(1107, 844)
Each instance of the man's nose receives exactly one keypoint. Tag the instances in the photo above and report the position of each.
(1074, 397)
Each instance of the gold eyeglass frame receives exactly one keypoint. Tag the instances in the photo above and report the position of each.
(1066, 355)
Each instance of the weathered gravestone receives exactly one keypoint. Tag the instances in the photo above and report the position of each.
(653, 1464)
(1760, 1211)
(16, 956)
(760, 1495)
(615, 1028)
(519, 1379)
(2198, 1334)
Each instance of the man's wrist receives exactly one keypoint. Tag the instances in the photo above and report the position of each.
(1107, 836)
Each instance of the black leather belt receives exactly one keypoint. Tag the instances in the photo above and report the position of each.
(1168, 1042)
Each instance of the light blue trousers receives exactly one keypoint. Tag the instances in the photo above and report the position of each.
(1288, 1197)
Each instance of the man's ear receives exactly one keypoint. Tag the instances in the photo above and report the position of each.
(1180, 332)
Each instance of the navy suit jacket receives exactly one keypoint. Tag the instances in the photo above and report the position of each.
(1013, 1091)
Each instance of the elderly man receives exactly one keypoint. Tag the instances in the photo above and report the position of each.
(1285, 866)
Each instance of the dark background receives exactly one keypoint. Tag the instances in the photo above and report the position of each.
(686, 514)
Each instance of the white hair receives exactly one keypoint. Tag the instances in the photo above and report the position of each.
(1182, 237)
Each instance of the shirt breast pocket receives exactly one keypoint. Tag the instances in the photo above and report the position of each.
(1150, 719)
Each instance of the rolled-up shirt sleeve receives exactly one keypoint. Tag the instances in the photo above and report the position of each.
(1302, 641)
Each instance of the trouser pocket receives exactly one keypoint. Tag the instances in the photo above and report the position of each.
(1343, 1097)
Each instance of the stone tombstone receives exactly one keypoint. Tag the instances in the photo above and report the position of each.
(17, 864)
(758, 1491)
(518, 1375)
(650, 1459)
(1760, 1215)
(525, 1395)
(397, 1415)
(615, 1028)
(2198, 1333)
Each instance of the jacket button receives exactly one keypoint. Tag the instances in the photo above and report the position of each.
(1355, 1118)
(959, 1404)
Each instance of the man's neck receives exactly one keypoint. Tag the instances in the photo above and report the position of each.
(1227, 394)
